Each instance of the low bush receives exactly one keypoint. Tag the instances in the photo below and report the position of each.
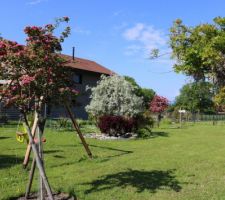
(166, 121)
(144, 132)
(82, 122)
(116, 125)
(145, 120)
(145, 124)
(63, 123)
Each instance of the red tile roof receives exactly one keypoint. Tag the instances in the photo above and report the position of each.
(87, 65)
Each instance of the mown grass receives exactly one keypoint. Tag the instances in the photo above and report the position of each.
(181, 164)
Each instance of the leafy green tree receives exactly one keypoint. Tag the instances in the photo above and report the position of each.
(219, 99)
(199, 51)
(145, 93)
(196, 97)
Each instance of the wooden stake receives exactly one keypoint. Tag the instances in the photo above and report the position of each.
(38, 160)
(41, 125)
(31, 176)
(27, 154)
(76, 127)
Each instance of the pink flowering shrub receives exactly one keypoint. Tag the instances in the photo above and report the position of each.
(36, 71)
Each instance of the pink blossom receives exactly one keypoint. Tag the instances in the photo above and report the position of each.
(15, 87)
(74, 91)
(26, 79)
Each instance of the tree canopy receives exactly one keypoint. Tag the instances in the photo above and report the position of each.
(196, 96)
(35, 71)
(146, 93)
(159, 104)
(199, 51)
(219, 99)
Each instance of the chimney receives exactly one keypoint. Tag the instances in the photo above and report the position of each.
(73, 53)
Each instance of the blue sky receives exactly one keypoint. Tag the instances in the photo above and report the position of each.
(116, 33)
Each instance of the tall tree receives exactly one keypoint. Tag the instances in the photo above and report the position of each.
(219, 100)
(199, 51)
(146, 93)
(196, 97)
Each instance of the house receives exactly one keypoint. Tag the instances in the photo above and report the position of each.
(86, 73)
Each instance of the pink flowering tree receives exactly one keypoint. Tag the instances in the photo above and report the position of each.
(35, 71)
(158, 105)
(36, 75)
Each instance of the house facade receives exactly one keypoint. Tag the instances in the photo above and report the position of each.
(85, 73)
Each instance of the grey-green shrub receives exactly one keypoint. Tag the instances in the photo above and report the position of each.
(114, 96)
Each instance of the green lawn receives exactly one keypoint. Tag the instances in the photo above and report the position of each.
(187, 164)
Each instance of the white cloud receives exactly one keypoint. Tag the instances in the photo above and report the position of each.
(132, 49)
(82, 31)
(134, 33)
(146, 37)
(35, 2)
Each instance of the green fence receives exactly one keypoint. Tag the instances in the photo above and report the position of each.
(212, 117)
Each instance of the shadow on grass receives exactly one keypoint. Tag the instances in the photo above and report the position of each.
(159, 134)
(9, 161)
(3, 138)
(59, 156)
(95, 157)
(52, 151)
(112, 149)
(121, 152)
(141, 180)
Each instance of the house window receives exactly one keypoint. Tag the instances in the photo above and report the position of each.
(77, 78)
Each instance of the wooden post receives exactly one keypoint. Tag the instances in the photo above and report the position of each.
(31, 176)
(27, 154)
(180, 119)
(76, 127)
(41, 125)
(38, 160)
(41, 194)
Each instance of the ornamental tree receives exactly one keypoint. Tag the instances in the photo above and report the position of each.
(199, 50)
(36, 75)
(114, 96)
(158, 105)
(35, 71)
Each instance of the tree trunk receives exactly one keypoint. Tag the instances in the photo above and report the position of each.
(31, 176)
(159, 119)
(38, 160)
(41, 125)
